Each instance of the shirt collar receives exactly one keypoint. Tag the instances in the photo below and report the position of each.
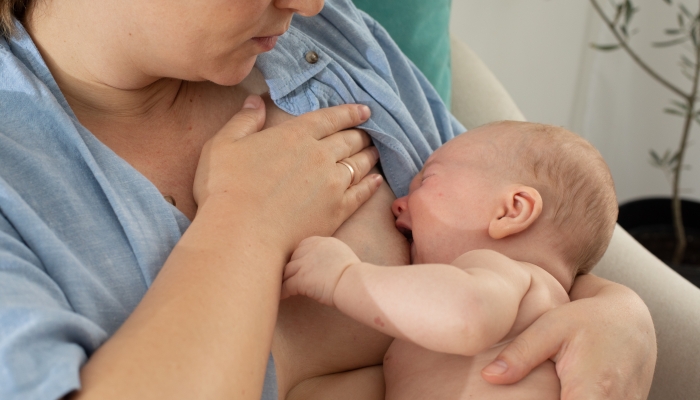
(286, 67)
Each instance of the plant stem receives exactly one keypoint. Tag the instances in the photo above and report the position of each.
(681, 240)
(634, 55)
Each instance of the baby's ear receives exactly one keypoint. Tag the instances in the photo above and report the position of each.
(519, 206)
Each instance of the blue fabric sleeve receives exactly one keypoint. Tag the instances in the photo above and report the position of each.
(43, 342)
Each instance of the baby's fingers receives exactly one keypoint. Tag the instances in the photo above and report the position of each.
(291, 269)
(286, 293)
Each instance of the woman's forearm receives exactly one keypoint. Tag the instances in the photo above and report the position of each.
(204, 328)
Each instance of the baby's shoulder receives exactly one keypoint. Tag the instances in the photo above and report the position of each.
(546, 283)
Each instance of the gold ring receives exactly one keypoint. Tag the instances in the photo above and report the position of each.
(352, 172)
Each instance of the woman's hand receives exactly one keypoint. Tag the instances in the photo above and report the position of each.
(288, 177)
(603, 344)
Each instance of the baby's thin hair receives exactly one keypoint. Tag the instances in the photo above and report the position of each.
(576, 186)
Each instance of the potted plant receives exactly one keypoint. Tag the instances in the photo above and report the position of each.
(668, 228)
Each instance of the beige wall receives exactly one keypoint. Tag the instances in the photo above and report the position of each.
(540, 51)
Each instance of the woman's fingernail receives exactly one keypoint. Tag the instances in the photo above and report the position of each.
(252, 102)
(365, 112)
(498, 367)
(377, 179)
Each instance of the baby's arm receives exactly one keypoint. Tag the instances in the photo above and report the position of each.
(462, 308)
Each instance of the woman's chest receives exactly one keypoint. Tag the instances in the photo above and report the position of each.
(167, 151)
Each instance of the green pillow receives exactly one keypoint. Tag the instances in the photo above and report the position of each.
(421, 29)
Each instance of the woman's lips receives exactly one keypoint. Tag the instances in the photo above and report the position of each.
(267, 43)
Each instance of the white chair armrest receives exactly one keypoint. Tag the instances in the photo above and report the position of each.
(477, 96)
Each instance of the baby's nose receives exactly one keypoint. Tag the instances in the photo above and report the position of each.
(399, 206)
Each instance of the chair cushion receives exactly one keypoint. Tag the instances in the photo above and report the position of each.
(421, 29)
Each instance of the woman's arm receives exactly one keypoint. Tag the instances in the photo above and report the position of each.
(603, 343)
(204, 328)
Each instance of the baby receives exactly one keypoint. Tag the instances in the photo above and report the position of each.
(501, 219)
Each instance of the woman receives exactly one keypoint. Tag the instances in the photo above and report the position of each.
(122, 105)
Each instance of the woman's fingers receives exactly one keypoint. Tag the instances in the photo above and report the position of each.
(356, 195)
(346, 143)
(603, 346)
(285, 175)
(358, 166)
(249, 120)
(327, 121)
(535, 345)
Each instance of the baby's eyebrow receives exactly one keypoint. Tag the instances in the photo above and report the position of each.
(415, 179)
(430, 163)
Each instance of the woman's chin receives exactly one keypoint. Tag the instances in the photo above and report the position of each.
(232, 76)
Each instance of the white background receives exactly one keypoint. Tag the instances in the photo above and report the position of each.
(540, 50)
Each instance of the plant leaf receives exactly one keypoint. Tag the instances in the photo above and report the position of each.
(685, 11)
(605, 47)
(672, 42)
(630, 10)
(682, 106)
(674, 159)
(687, 62)
(673, 111)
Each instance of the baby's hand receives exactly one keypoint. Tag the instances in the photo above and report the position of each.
(316, 267)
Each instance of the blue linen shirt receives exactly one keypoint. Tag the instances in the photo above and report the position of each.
(83, 234)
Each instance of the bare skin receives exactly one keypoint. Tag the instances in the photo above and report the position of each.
(109, 60)
(310, 340)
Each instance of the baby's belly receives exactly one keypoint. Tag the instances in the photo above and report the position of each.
(412, 372)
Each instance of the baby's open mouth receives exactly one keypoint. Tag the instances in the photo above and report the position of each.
(406, 232)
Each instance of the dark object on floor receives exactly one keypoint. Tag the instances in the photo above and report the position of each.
(649, 221)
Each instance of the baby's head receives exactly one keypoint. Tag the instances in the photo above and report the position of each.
(536, 193)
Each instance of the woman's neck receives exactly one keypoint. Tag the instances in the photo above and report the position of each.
(93, 65)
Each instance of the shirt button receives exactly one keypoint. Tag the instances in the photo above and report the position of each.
(311, 57)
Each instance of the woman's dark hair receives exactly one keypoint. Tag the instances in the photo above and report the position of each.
(9, 9)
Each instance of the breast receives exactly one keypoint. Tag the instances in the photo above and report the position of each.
(312, 340)
(412, 372)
